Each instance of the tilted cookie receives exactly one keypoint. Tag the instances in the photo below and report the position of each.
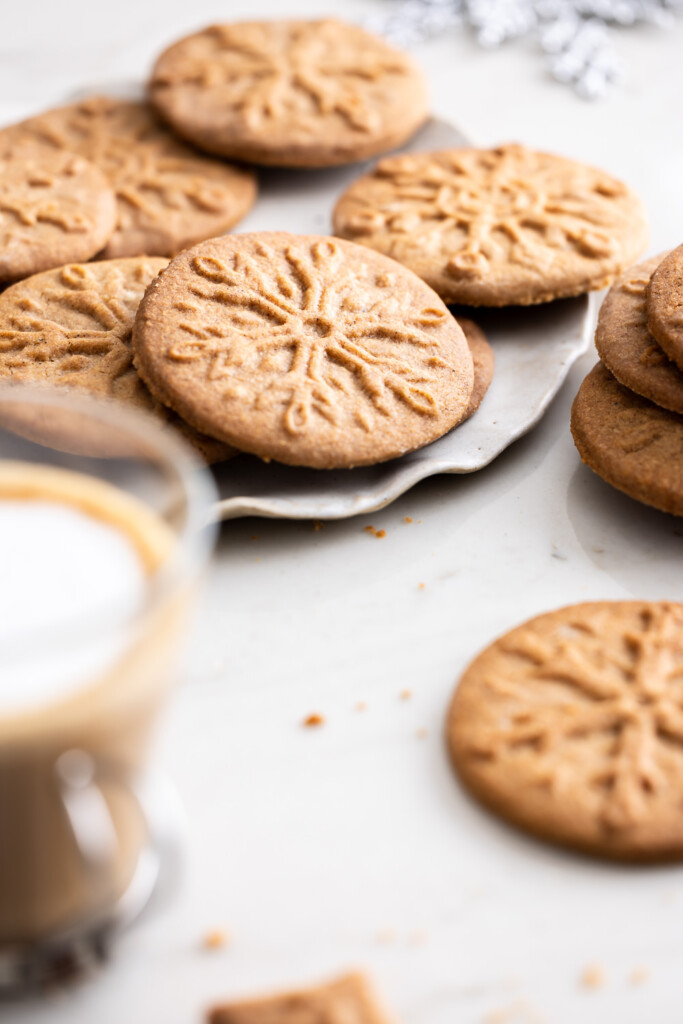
(348, 1000)
(571, 726)
(169, 195)
(54, 207)
(308, 350)
(634, 445)
(626, 346)
(665, 305)
(71, 328)
(483, 360)
(496, 227)
(289, 93)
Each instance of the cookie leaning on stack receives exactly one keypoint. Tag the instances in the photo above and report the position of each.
(627, 419)
(308, 350)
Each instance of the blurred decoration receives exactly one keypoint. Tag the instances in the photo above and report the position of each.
(576, 37)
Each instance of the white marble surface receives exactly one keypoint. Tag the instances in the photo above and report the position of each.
(352, 844)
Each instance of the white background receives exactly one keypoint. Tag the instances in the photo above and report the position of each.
(352, 845)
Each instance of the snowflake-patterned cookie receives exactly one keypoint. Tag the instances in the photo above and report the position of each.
(665, 305)
(630, 442)
(169, 196)
(305, 349)
(571, 726)
(505, 226)
(54, 207)
(289, 93)
(71, 328)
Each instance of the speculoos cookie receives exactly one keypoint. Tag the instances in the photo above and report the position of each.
(289, 93)
(483, 360)
(305, 349)
(569, 726)
(665, 305)
(169, 196)
(496, 227)
(631, 443)
(54, 207)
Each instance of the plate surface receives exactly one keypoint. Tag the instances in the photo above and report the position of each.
(534, 347)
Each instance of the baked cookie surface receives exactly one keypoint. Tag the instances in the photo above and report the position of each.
(496, 227)
(54, 207)
(169, 196)
(665, 305)
(626, 346)
(348, 1000)
(71, 328)
(301, 348)
(631, 443)
(569, 726)
(289, 93)
(483, 360)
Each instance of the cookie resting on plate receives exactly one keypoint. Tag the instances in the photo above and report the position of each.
(289, 93)
(496, 227)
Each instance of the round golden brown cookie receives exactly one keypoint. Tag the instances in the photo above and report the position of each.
(569, 726)
(289, 93)
(483, 360)
(308, 350)
(54, 207)
(71, 328)
(626, 346)
(665, 305)
(631, 443)
(496, 227)
(169, 196)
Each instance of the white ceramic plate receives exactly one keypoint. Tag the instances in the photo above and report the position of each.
(534, 347)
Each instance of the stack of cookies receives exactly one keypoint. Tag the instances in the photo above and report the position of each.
(317, 351)
(627, 419)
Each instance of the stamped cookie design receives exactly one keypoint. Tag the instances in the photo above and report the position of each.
(169, 196)
(632, 444)
(349, 1000)
(290, 93)
(665, 305)
(571, 726)
(496, 227)
(626, 346)
(71, 328)
(54, 207)
(305, 349)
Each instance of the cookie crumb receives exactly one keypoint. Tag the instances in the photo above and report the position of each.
(593, 977)
(313, 721)
(317, 525)
(254, 536)
(361, 706)
(407, 519)
(406, 694)
(638, 976)
(421, 733)
(386, 936)
(420, 586)
(216, 939)
(375, 533)
(418, 938)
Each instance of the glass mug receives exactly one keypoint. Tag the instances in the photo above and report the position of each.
(104, 519)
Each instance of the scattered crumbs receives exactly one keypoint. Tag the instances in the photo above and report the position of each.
(408, 519)
(314, 720)
(375, 533)
(418, 938)
(593, 977)
(420, 586)
(361, 706)
(519, 1012)
(215, 939)
(317, 525)
(257, 559)
(254, 536)
(406, 694)
(421, 733)
(386, 936)
(638, 976)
